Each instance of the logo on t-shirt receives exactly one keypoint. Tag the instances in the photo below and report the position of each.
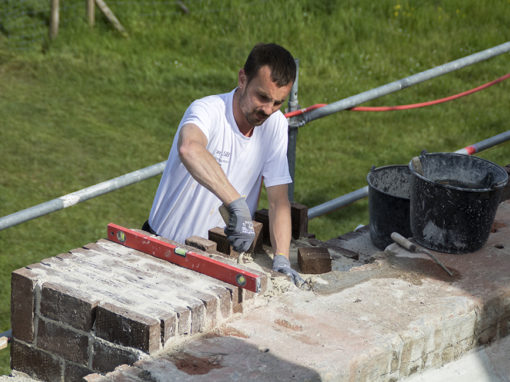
(222, 157)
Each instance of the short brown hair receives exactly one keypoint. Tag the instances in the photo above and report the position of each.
(279, 60)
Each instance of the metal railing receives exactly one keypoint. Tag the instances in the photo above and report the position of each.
(294, 123)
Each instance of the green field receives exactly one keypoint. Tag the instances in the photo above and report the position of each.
(92, 105)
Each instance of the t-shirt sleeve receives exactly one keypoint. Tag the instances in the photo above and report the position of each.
(276, 167)
(199, 115)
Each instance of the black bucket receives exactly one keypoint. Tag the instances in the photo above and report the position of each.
(388, 203)
(453, 200)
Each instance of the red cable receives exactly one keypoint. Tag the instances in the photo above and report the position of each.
(406, 107)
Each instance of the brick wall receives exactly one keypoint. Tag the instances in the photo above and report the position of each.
(103, 305)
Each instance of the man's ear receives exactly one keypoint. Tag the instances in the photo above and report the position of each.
(242, 79)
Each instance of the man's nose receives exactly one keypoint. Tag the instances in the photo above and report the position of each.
(268, 108)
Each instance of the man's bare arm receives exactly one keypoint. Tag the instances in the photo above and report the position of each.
(202, 165)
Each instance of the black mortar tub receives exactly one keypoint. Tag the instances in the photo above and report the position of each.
(388, 203)
(453, 200)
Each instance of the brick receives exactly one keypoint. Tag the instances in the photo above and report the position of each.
(23, 283)
(218, 236)
(259, 240)
(201, 243)
(168, 324)
(314, 260)
(124, 327)
(68, 305)
(262, 216)
(67, 343)
(106, 357)
(75, 373)
(299, 217)
(34, 362)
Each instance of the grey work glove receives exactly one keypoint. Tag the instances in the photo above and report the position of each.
(282, 264)
(239, 229)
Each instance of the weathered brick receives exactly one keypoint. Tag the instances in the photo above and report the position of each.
(168, 324)
(67, 343)
(122, 326)
(106, 358)
(201, 243)
(299, 217)
(262, 216)
(314, 260)
(34, 362)
(198, 314)
(258, 241)
(23, 283)
(217, 235)
(75, 373)
(68, 305)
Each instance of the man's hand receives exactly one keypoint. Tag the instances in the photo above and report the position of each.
(282, 264)
(239, 229)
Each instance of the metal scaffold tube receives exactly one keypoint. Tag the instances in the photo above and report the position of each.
(392, 87)
(361, 193)
(81, 195)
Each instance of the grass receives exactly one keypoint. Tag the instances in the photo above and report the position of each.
(93, 105)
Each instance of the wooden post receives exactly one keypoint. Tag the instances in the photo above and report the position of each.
(111, 17)
(91, 12)
(54, 19)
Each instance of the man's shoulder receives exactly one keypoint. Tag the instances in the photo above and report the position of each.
(215, 100)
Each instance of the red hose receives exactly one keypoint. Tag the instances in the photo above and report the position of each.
(406, 107)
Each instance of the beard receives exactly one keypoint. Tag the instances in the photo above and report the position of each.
(255, 117)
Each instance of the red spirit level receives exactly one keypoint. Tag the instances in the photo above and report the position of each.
(184, 258)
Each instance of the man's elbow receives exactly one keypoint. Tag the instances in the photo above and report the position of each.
(186, 151)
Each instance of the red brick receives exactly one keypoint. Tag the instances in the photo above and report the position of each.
(314, 260)
(218, 236)
(106, 357)
(23, 283)
(34, 362)
(258, 241)
(67, 343)
(75, 373)
(68, 305)
(124, 327)
(201, 243)
(262, 216)
(299, 217)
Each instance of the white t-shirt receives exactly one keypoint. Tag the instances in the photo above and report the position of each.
(182, 207)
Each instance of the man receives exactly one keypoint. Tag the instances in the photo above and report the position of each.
(226, 144)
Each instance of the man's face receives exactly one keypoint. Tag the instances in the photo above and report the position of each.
(261, 97)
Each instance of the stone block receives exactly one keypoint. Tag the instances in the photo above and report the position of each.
(107, 357)
(23, 283)
(314, 260)
(124, 327)
(66, 343)
(299, 217)
(201, 243)
(68, 305)
(34, 362)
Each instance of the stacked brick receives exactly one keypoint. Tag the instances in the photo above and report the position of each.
(103, 305)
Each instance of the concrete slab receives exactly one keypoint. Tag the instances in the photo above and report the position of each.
(383, 321)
